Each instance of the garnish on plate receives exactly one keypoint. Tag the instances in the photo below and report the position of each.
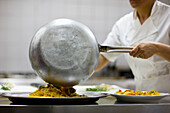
(7, 86)
(101, 87)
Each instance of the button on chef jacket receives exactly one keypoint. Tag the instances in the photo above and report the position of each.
(152, 73)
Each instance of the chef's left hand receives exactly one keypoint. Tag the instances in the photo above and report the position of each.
(143, 50)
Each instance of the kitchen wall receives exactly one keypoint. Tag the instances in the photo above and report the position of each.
(20, 19)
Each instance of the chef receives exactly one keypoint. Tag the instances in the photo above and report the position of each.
(147, 28)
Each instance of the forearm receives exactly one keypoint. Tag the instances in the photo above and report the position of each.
(163, 50)
(102, 62)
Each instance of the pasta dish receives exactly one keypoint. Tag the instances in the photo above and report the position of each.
(52, 91)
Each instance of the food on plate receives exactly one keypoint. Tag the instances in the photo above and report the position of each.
(3, 87)
(101, 87)
(137, 92)
(7, 86)
(51, 91)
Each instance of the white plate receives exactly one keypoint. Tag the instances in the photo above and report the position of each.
(139, 98)
(23, 98)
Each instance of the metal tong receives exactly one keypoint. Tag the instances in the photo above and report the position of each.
(113, 49)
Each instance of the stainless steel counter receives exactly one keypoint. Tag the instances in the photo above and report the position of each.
(103, 105)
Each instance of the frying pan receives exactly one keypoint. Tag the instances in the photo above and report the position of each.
(64, 52)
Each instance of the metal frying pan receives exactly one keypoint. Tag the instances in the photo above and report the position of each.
(64, 52)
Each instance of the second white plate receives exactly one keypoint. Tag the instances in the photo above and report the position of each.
(139, 98)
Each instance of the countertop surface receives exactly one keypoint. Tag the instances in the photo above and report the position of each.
(107, 104)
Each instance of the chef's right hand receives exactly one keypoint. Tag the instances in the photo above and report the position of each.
(143, 50)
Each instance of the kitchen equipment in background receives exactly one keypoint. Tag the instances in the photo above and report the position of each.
(64, 52)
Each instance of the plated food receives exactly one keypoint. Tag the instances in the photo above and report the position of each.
(51, 91)
(101, 87)
(139, 96)
(25, 99)
(49, 95)
(138, 92)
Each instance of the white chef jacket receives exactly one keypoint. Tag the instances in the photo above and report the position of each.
(152, 73)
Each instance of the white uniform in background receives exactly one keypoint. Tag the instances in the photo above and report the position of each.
(152, 73)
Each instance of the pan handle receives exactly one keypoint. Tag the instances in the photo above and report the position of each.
(113, 49)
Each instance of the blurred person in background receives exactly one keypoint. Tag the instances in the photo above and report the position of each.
(147, 28)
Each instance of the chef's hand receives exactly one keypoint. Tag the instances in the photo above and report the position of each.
(144, 50)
